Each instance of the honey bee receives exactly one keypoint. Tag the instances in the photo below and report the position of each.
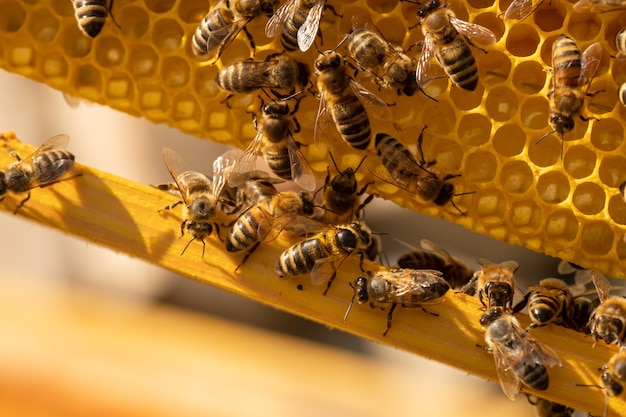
(274, 140)
(406, 287)
(390, 66)
(200, 195)
(265, 220)
(342, 198)
(47, 164)
(343, 99)
(432, 256)
(572, 76)
(447, 38)
(547, 408)
(277, 71)
(521, 9)
(221, 25)
(608, 321)
(297, 21)
(518, 356)
(599, 6)
(496, 283)
(613, 376)
(323, 253)
(549, 302)
(412, 175)
(91, 15)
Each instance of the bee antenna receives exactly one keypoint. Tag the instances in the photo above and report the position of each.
(334, 163)
(360, 163)
(545, 136)
(293, 95)
(345, 317)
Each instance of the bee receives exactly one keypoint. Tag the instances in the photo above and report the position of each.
(496, 283)
(613, 376)
(390, 66)
(277, 71)
(274, 140)
(547, 408)
(412, 175)
(221, 25)
(432, 256)
(342, 198)
(572, 76)
(599, 6)
(91, 15)
(608, 321)
(406, 287)
(47, 164)
(323, 253)
(520, 9)
(549, 302)
(200, 195)
(343, 99)
(447, 38)
(518, 356)
(297, 21)
(266, 219)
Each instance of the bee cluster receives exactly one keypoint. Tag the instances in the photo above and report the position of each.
(436, 74)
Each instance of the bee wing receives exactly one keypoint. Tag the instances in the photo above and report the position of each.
(597, 6)
(325, 268)
(308, 31)
(590, 63)
(284, 13)
(246, 164)
(521, 9)
(175, 166)
(427, 68)
(375, 106)
(323, 124)
(56, 142)
(509, 381)
(227, 34)
(301, 171)
(222, 168)
(549, 356)
(476, 33)
(603, 286)
(437, 250)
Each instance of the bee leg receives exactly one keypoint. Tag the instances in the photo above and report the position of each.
(247, 255)
(21, 203)
(250, 39)
(217, 231)
(225, 101)
(171, 206)
(330, 282)
(389, 318)
(422, 160)
(469, 41)
(110, 12)
(15, 155)
(189, 243)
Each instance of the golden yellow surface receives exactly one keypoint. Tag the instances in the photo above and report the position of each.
(524, 193)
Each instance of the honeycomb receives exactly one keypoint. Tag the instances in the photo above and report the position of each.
(522, 192)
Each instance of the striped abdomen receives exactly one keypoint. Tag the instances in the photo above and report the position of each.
(566, 62)
(245, 231)
(90, 15)
(204, 38)
(51, 165)
(351, 120)
(532, 371)
(399, 162)
(545, 308)
(459, 64)
(277, 158)
(289, 36)
(300, 258)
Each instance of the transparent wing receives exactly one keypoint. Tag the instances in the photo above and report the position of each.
(603, 286)
(374, 105)
(323, 124)
(590, 63)
(325, 268)
(521, 9)
(175, 166)
(437, 250)
(56, 142)
(509, 381)
(246, 164)
(308, 31)
(427, 66)
(301, 171)
(276, 23)
(222, 168)
(224, 37)
(599, 6)
(476, 33)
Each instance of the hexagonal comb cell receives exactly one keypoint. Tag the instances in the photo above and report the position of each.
(525, 191)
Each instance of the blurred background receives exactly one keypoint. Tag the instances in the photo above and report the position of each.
(38, 264)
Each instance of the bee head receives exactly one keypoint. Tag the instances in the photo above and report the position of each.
(268, 7)
(327, 60)
(307, 203)
(613, 387)
(426, 8)
(445, 194)
(303, 73)
(363, 235)
(561, 124)
(609, 329)
(345, 182)
(360, 290)
(3, 184)
(410, 85)
(491, 315)
(275, 107)
(499, 293)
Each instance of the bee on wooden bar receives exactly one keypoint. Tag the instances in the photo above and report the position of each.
(408, 288)
(547, 408)
(613, 377)
(274, 140)
(495, 283)
(391, 67)
(91, 15)
(342, 198)
(47, 164)
(549, 302)
(222, 24)
(432, 256)
(412, 175)
(200, 195)
(519, 358)
(447, 39)
(344, 100)
(572, 76)
(608, 321)
(323, 253)
(277, 71)
(266, 219)
(297, 21)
